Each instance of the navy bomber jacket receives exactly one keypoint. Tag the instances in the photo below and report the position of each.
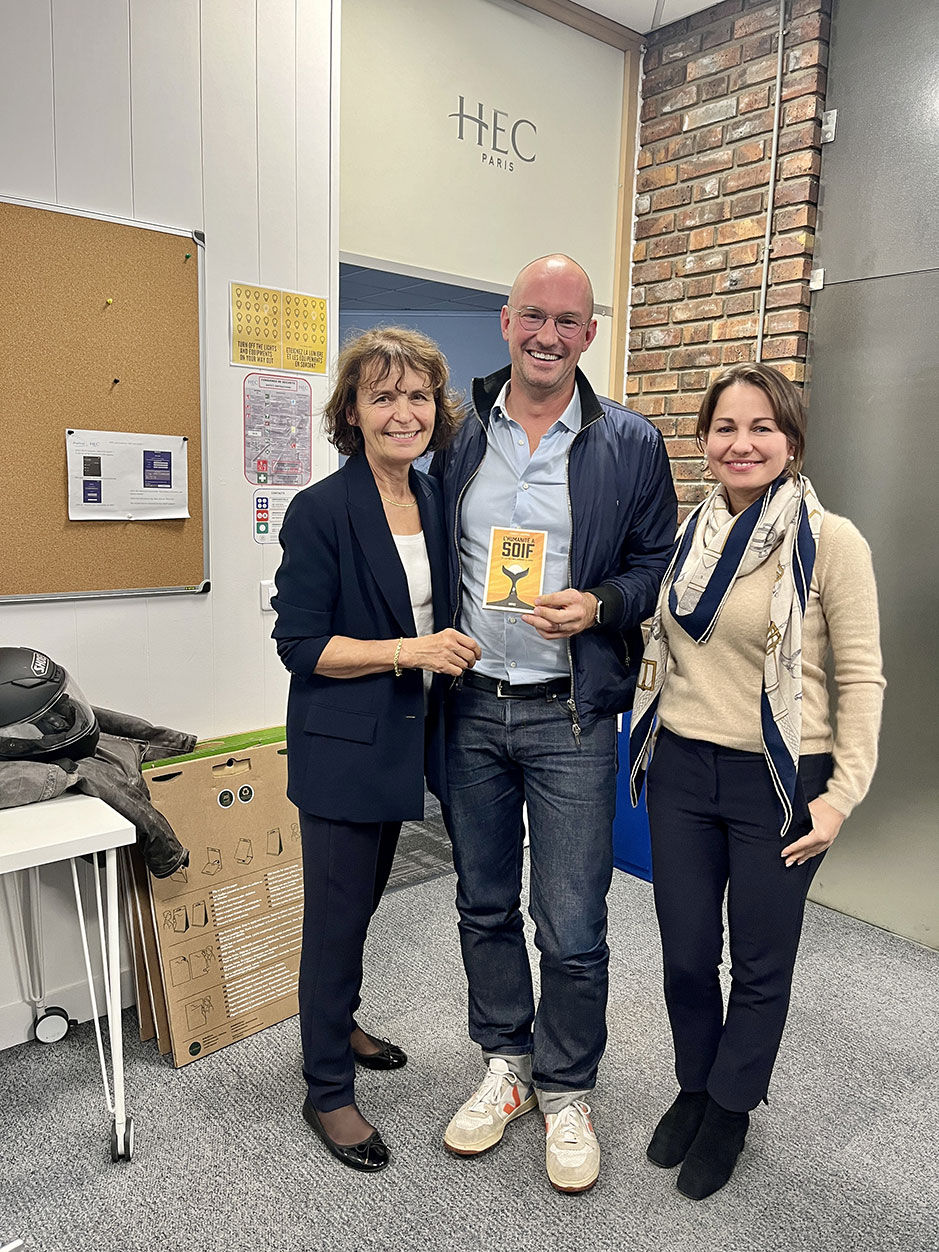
(623, 518)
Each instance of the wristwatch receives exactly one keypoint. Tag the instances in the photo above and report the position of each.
(598, 616)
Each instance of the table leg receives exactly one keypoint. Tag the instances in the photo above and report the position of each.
(122, 1133)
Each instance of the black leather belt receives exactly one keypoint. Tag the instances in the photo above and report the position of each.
(505, 690)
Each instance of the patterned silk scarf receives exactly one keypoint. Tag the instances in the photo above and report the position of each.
(712, 550)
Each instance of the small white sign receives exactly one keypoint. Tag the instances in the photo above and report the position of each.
(270, 505)
(117, 476)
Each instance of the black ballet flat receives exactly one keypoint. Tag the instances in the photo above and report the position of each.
(369, 1156)
(389, 1056)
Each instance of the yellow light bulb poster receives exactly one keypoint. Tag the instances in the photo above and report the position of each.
(255, 326)
(283, 330)
(514, 569)
(304, 331)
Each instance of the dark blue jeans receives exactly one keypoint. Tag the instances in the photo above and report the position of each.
(715, 824)
(502, 753)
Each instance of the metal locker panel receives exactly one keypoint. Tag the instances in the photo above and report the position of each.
(872, 441)
(877, 208)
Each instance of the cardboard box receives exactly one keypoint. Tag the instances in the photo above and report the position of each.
(228, 927)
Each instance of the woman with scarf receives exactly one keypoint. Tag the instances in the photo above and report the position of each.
(747, 787)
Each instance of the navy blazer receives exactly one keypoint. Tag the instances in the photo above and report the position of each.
(357, 748)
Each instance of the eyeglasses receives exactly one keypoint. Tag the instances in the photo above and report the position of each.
(533, 319)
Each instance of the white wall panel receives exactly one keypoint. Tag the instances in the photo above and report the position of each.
(166, 135)
(414, 193)
(277, 144)
(318, 71)
(51, 628)
(313, 220)
(111, 667)
(317, 66)
(211, 113)
(230, 145)
(179, 660)
(278, 178)
(91, 64)
(596, 360)
(230, 166)
(27, 155)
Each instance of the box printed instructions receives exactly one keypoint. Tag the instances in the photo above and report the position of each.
(514, 569)
(228, 926)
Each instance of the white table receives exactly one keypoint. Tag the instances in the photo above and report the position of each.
(62, 829)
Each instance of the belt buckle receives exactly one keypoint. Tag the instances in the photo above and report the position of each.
(508, 694)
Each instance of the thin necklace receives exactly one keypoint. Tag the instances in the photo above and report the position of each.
(397, 504)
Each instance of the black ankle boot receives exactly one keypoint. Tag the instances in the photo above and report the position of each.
(713, 1154)
(677, 1129)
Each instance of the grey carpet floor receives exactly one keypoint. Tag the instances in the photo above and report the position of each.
(843, 1160)
(424, 850)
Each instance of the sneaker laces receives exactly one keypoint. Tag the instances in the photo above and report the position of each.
(490, 1089)
(569, 1127)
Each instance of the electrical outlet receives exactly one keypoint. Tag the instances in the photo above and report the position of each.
(267, 590)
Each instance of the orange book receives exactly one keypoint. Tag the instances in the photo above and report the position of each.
(514, 569)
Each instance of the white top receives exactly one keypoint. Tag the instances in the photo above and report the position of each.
(413, 553)
(56, 830)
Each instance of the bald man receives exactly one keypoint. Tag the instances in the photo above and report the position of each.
(562, 515)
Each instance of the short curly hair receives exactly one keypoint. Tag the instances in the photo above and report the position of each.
(371, 357)
(783, 395)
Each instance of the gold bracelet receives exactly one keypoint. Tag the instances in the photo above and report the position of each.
(397, 657)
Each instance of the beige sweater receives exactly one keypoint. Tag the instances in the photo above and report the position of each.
(712, 691)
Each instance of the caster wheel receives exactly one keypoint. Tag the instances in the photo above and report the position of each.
(122, 1150)
(52, 1025)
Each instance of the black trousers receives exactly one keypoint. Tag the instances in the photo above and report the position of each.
(715, 821)
(345, 870)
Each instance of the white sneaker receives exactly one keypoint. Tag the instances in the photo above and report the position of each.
(480, 1123)
(572, 1153)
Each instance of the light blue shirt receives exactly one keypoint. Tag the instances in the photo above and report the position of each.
(516, 488)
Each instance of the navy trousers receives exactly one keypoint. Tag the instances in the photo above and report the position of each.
(345, 870)
(715, 821)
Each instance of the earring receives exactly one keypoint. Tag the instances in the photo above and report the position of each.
(792, 458)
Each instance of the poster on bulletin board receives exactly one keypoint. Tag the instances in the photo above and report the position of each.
(125, 476)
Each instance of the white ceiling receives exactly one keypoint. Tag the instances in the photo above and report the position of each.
(645, 15)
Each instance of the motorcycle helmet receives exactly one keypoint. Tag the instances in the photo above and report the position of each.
(43, 714)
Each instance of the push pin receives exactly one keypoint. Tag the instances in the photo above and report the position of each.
(188, 256)
(109, 300)
(115, 381)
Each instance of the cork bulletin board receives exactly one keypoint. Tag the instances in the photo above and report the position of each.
(102, 332)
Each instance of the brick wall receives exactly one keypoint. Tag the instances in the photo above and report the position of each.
(701, 200)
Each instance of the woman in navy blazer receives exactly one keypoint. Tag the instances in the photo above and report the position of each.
(362, 626)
